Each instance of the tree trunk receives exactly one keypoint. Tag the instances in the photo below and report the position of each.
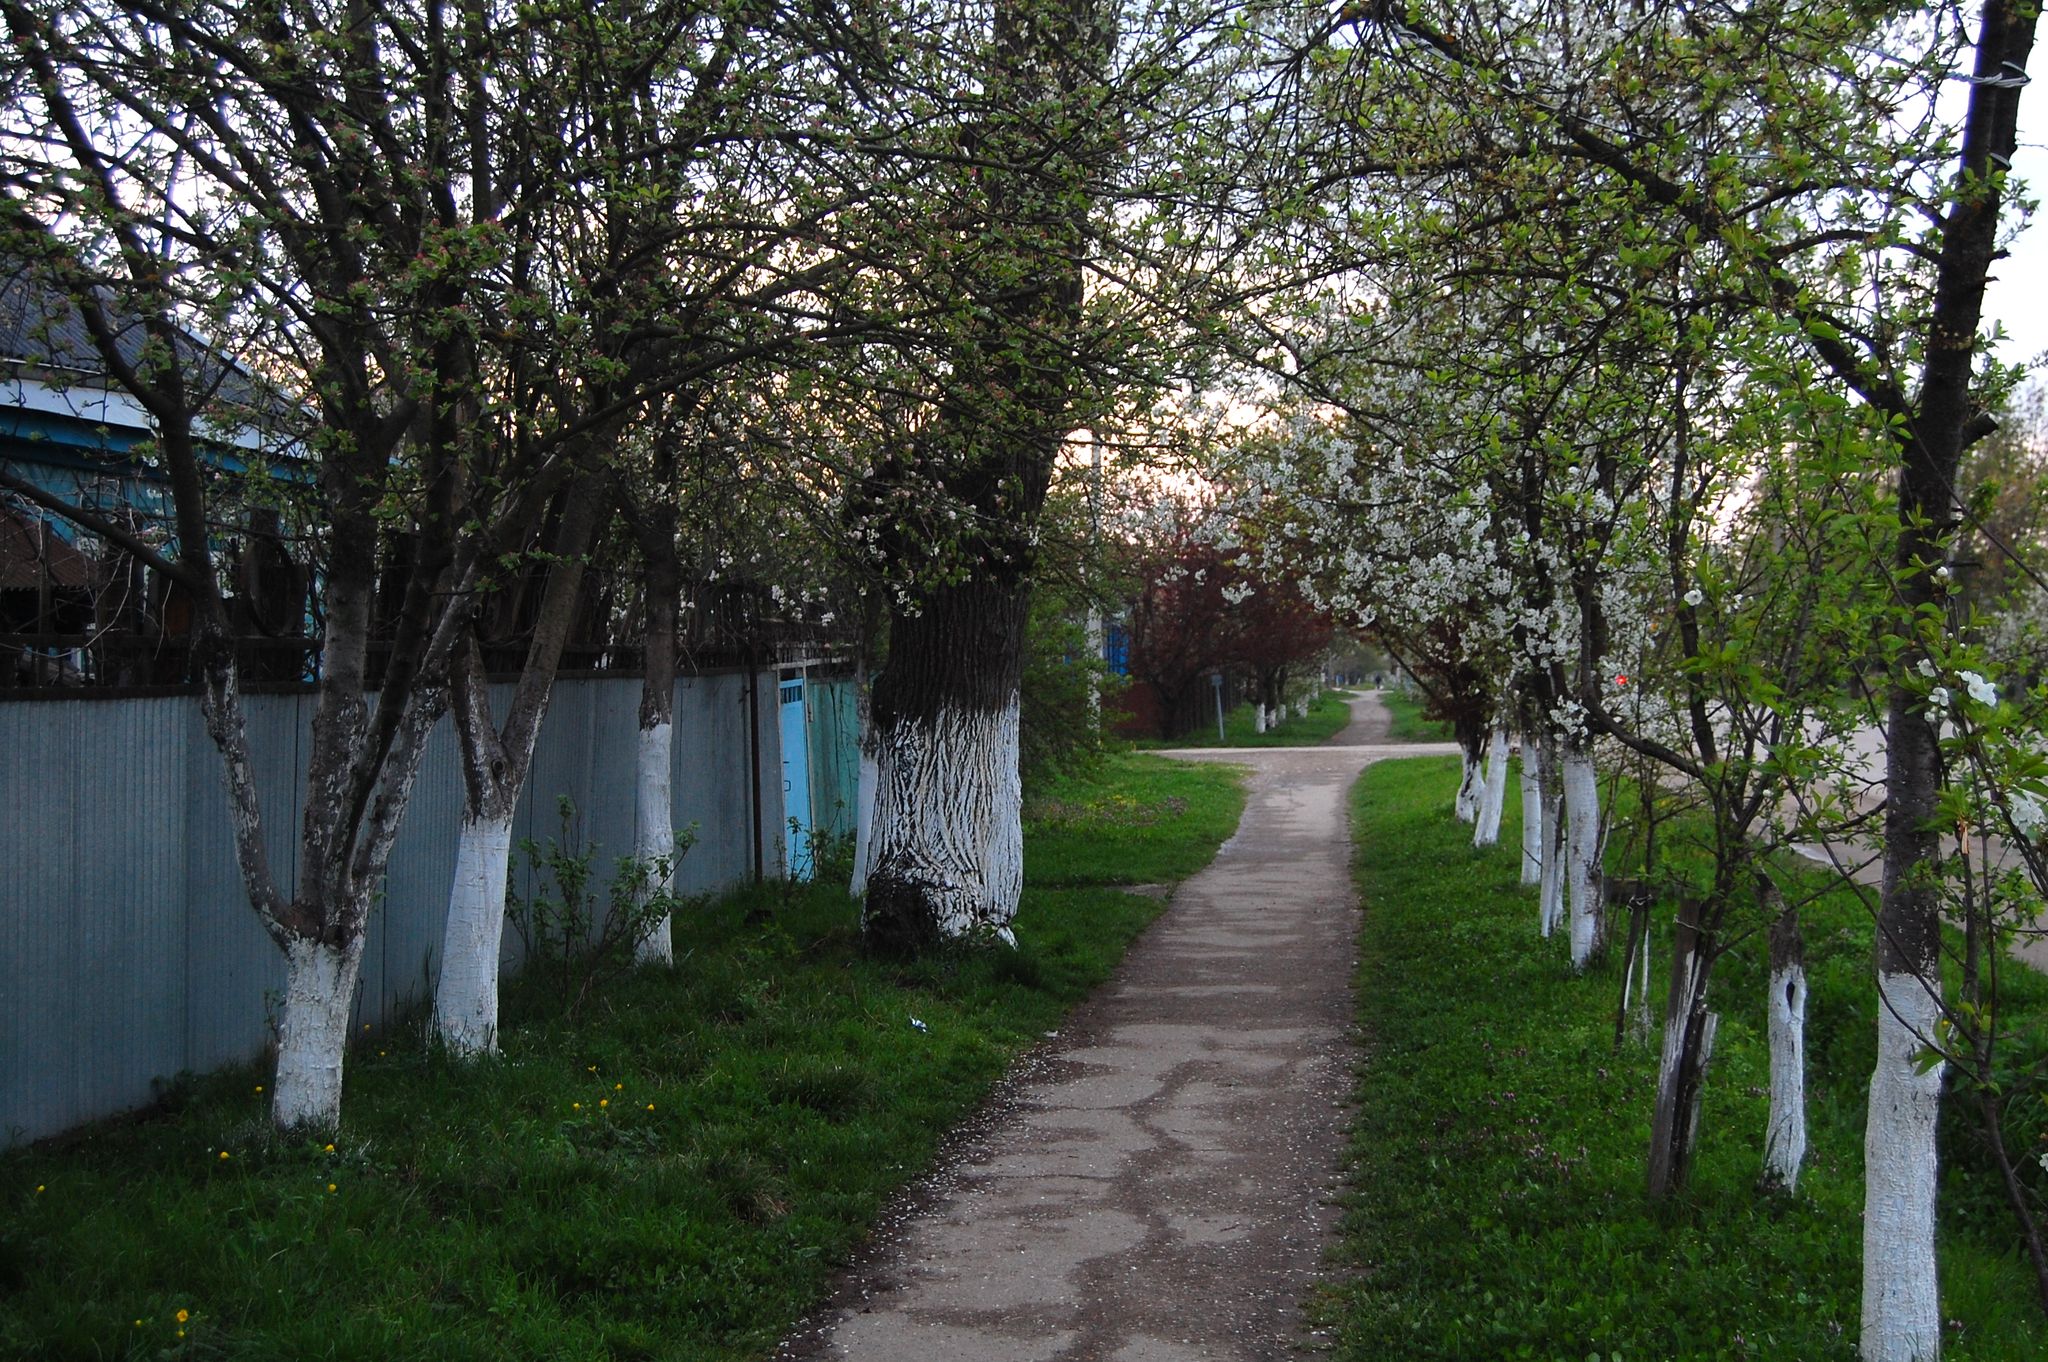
(312, 1038)
(1551, 882)
(1532, 811)
(466, 997)
(1493, 794)
(1582, 853)
(1785, 1135)
(1688, 1044)
(496, 763)
(654, 833)
(947, 857)
(1901, 1303)
(1470, 778)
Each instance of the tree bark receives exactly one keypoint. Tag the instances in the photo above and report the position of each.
(947, 862)
(1582, 852)
(1901, 1302)
(654, 834)
(1785, 1135)
(1532, 810)
(1551, 882)
(496, 763)
(1493, 793)
(1688, 1045)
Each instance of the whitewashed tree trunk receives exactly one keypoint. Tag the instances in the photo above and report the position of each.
(319, 990)
(1582, 849)
(1551, 883)
(1469, 779)
(654, 833)
(948, 822)
(466, 998)
(496, 763)
(1532, 811)
(1785, 1001)
(1493, 794)
(1259, 718)
(1901, 1302)
(864, 821)
(1785, 1136)
(1689, 1031)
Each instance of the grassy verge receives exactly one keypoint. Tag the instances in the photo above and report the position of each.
(1408, 725)
(1496, 1206)
(1327, 714)
(675, 1176)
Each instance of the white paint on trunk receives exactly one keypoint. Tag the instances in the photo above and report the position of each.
(1901, 1303)
(1493, 795)
(654, 832)
(1550, 887)
(1532, 813)
(1258, 718)
(1468, 788)
(864, 822)
(312, 1037)
(466, 1000)
(948, 817)
(1785, 1135)
(1582, 846)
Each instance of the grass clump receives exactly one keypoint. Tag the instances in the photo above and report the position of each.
(1496, 1205)
(1327, 715)
(1139, 820)
(1407, 724)
(672, 1175)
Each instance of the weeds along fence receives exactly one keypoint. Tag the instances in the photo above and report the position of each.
(129, 953)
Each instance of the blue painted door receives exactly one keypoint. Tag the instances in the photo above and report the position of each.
(796, 782)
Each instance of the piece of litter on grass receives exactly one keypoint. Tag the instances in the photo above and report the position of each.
(1052, 1035)
(917, 1025)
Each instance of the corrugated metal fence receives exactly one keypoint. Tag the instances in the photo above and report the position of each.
(129, 953)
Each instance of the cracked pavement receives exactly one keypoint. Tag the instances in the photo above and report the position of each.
(1153, 1185)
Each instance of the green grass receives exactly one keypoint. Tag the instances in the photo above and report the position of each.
(1496, 1205)
(1327, 714)
(1408, 724)
(674, 1177)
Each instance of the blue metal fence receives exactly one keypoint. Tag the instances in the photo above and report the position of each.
(128, 951)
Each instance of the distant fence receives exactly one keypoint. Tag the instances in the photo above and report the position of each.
(129, 952)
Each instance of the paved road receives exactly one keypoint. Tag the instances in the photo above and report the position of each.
(1153, 1186)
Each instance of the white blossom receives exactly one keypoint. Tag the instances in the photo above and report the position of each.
(2027, 814)
(1982, 691)
(1939, 697)
(1695, 596)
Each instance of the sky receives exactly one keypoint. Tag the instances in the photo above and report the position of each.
(2018, 297)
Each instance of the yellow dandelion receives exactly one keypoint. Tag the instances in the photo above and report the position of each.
(181, 1333)
(330, 1186)
(39, 1187)
(618, 1087)
(593, 1068)
(223, 1153)
(606, 1102)
(650, 1106)
(330, 1149)
(259, 1087)
(184, 1315)
(138, 1324)
(577, 1105)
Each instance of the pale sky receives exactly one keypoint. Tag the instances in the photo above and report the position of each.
(2019, 291)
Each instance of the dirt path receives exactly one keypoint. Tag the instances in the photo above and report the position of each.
(1369, 723)
(1152, 1187)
